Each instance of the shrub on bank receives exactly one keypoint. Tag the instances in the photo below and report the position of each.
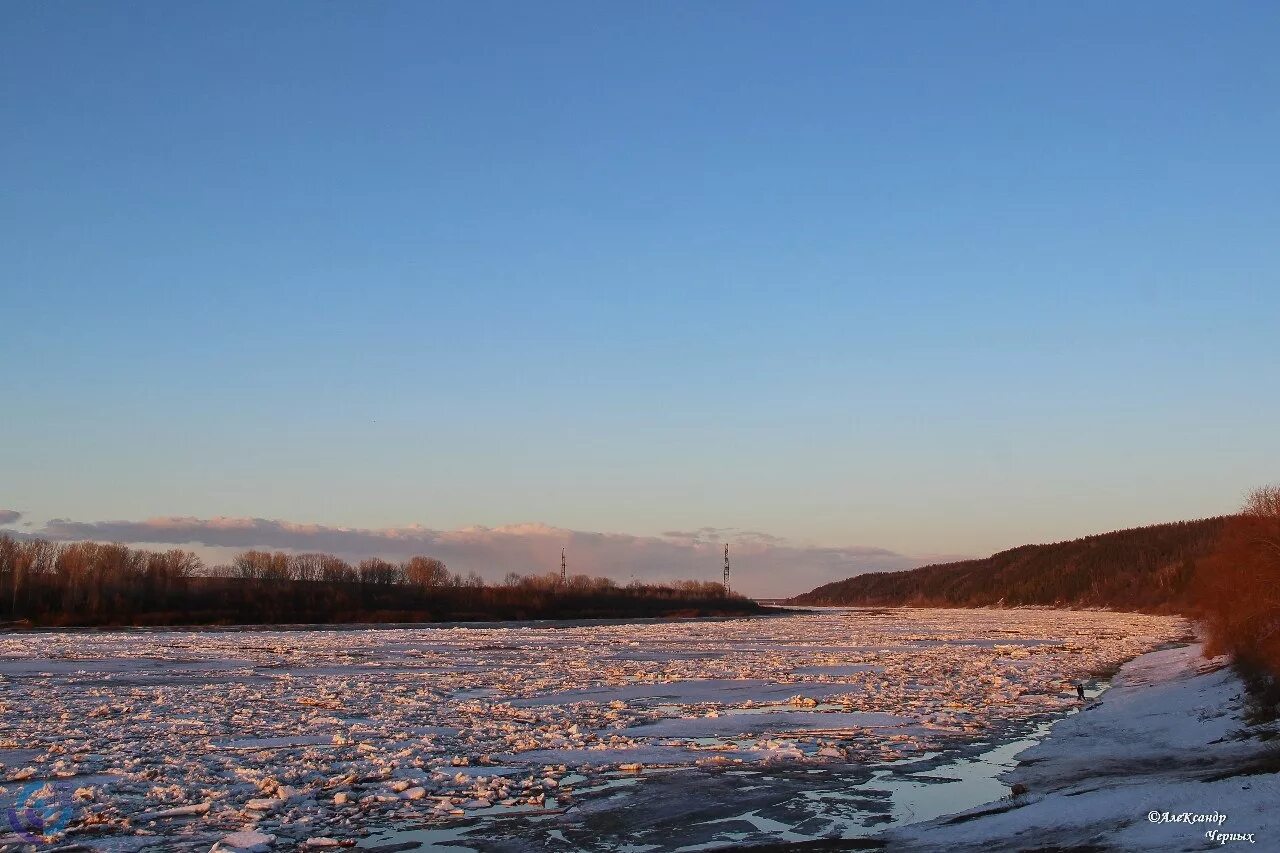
(1237, 587)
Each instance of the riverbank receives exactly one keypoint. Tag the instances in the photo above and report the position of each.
(1164, 760)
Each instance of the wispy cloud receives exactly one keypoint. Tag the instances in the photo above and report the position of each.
(763, 564)
(9, 516)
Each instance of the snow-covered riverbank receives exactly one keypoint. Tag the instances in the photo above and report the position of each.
(1163, 761)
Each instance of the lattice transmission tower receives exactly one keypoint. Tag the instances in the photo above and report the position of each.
(726, 568)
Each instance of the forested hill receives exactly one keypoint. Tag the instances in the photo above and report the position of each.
(1146, 568)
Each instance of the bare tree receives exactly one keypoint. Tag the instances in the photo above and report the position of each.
(1263, 502)
(336, 570)
(425, 571)
(306, 567)
(379, 572)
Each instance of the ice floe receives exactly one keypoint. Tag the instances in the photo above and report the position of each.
(271, 739)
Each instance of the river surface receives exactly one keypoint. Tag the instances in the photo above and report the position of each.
(653, 736)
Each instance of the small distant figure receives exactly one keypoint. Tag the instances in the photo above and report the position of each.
(1080, 690)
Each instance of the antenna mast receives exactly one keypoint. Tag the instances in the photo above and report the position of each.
(562, 566)
(726, 568)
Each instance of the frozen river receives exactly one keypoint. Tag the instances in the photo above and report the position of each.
(652, 736)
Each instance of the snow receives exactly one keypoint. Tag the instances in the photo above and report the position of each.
(246, 841)
(1168, 737)
(196, 735)
(177, 811)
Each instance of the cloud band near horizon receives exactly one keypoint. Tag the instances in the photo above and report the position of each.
(763, 565)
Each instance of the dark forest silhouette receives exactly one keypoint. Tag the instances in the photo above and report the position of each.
(1145, 568)
(86, 583)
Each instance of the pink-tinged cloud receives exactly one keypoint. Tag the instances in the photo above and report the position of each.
(763, 565)
(9, 516)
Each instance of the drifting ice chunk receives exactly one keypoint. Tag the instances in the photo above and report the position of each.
(179, 811)
(264, 804)
(245, 841)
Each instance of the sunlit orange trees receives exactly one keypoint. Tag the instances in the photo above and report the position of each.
(1238, 585)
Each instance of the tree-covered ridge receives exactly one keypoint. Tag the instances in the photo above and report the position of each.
(1137, 569)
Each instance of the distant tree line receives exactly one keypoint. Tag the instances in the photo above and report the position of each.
(1146, 568)
(88, 583)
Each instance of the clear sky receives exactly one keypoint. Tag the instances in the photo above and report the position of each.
(935, 277)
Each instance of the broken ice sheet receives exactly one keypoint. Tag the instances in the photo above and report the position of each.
(193, 736)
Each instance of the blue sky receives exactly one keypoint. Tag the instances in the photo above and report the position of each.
(937, 278)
